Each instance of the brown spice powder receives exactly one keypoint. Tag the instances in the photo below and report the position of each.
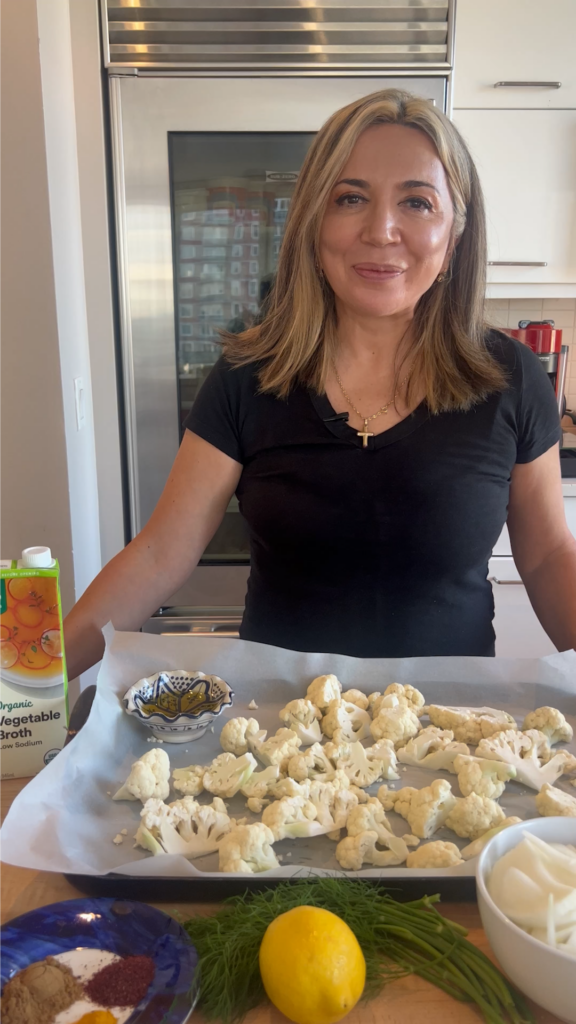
(39, 992)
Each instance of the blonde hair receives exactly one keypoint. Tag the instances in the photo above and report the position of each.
(297, 337)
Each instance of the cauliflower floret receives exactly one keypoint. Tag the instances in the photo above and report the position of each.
(278, 748)
(486, 778)
(234, 735)
(227, 774)
(411, 840)
(323, 689)
(363, 770)
(469, 725)
(372, 698)
(201, 832)
(551, 722)
(355, 851)
(473, 849)
(370, 817)
(260, 783)
(356, 697)
(432, 748)
(302, 716)
(339, 780)
(289, 787)
(189, 780)
(149, 777)
(290, 818)
(154, 813)
(382, 750)
(256, 804)
(184, 827)
(248, 848)
(408, 696)
(425, 810)
(381, 701)
(299, 766)
(521, 751)
(354, 723)
(551, 802)
(397, 724)
(388, 796)
(473, 815)
(310, 764)
(333, 802)
(337, 747)
(435, 855)
(542, 744)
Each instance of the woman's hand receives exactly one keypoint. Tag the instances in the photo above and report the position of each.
(160, 559)
(544, 549)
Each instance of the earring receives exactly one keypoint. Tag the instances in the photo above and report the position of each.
(442, 276)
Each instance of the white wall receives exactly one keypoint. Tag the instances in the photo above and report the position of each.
(51, 475)
(68, 260)
(35, 505)
(94, 200)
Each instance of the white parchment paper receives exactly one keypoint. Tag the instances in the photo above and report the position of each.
(65, 820)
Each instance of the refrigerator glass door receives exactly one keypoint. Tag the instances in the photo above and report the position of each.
(230, 197)
(204, 169)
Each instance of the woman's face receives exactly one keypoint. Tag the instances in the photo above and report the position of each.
(386, 233)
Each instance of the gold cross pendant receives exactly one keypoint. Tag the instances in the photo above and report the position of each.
(365, 434)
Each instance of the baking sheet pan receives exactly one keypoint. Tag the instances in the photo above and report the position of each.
(65, 819)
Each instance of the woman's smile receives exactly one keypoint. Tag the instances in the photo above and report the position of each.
(378, 271)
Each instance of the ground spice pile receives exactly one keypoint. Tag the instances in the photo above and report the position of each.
(122, 983)
(36, 994)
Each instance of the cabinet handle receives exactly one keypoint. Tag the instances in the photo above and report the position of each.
(515, 263)
(505, 583)
(527, 85)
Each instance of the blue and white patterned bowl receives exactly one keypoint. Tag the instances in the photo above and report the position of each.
(178, 706)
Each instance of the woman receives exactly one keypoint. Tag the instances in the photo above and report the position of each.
(377, 434)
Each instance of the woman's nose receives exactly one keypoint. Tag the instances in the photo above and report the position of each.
(381, 225)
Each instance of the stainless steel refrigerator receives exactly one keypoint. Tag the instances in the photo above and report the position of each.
(212, 109)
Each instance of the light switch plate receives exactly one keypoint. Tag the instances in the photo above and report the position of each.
(79, 402)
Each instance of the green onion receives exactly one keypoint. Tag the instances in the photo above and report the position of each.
(397, 939)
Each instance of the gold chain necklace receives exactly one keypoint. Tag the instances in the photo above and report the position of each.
(365, 434)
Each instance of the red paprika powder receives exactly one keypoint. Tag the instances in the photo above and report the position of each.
(122, 983)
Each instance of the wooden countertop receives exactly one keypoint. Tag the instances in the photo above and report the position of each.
(407, 1001)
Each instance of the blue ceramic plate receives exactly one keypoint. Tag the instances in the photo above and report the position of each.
(120, 926)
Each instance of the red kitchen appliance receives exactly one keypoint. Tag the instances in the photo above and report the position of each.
(546, 341)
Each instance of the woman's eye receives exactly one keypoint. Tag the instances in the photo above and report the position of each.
(349, 199)
(417, 203)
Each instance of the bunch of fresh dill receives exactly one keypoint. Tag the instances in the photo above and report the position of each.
(397, 939)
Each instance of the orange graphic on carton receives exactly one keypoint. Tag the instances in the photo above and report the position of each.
(30, 637)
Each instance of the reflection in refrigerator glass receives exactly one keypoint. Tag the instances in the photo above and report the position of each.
(231, 193)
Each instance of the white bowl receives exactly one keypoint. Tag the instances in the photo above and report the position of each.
(546, 975)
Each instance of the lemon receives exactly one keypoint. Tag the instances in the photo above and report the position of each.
(312, 966)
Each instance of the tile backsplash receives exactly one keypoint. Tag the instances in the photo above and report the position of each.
(507, 313)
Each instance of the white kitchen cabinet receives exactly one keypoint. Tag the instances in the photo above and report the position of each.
(515, 41)
(526, 160)
(518, 631)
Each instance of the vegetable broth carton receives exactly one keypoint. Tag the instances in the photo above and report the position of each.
(33, 682)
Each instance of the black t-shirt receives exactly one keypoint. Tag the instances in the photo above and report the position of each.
(379, 551)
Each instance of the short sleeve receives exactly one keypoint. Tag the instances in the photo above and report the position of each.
(216, 413)
(538, 416)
